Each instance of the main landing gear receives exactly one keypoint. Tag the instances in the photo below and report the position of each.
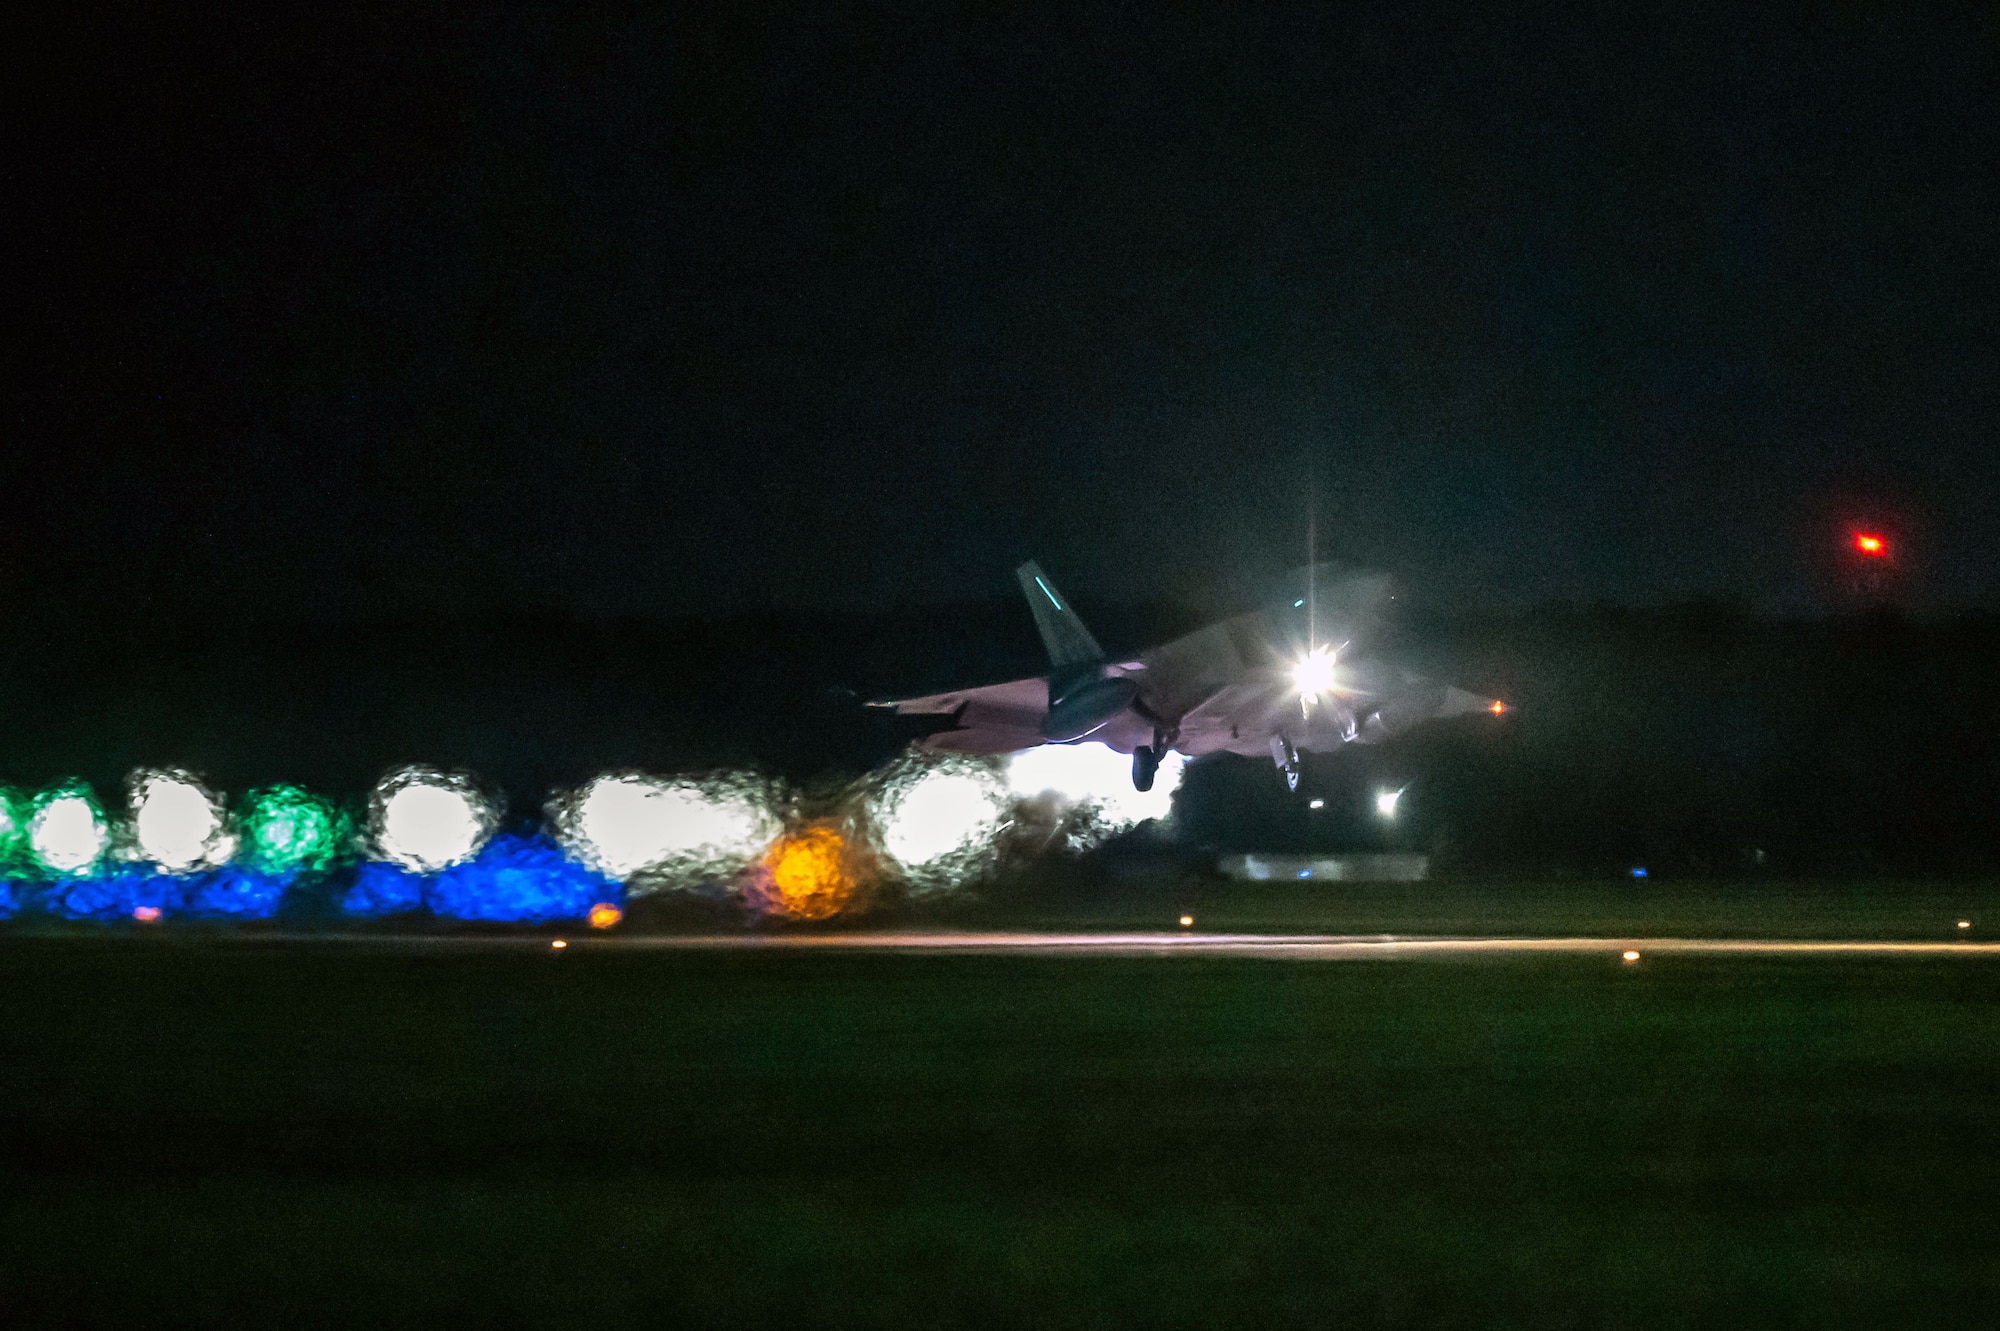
(1146, 760)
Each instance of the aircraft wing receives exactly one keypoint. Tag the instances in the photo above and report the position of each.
(1245, 716)
(1241, 717)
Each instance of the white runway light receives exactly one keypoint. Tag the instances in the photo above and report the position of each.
(67, 834)
(622, 825)
(941, 813)
(426, 820)
(177, 823)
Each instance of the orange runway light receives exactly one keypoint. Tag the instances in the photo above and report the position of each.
(603, 915)
(1187, 921)
(1631, 956)
(809, 874)
(559, 944)
(145, 914)
(1498, 708)
(1872, 544)
(1965, 924)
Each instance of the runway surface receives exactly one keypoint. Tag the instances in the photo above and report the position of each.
(1291, 947)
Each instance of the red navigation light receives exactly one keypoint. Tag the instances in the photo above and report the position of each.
(1872, 544)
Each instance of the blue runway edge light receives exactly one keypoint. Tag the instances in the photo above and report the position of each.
(382, 889)
(521, 879)
(236, 894)
(142, 892)
(516, 880)
(116, 895)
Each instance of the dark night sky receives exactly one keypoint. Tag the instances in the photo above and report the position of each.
(701, 309)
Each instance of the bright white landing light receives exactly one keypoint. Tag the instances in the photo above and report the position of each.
(177, 823)
(427, 821)
(1314, 674)
(67, 835)
(1386, 801)
(1094, 774)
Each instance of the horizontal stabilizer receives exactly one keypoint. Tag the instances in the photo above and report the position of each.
(982, 743)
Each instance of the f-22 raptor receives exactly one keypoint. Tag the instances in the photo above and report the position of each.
(1294, 677)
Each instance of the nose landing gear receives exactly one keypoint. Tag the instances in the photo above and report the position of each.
(1287, 759)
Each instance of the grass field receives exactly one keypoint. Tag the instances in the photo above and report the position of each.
(1605, 908)
(199, 1132)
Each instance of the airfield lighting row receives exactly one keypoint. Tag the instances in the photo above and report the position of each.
(430, 840)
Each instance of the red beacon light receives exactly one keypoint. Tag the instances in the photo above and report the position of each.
(1872, 544)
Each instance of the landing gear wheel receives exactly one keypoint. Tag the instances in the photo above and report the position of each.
(1145, 763)
(1287, 760)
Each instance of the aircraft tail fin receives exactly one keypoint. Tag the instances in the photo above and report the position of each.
(1068, 641)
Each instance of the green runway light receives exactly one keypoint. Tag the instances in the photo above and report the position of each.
(13, 833)
(287, 830)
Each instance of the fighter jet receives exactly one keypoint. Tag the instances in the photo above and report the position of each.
(1294, 677)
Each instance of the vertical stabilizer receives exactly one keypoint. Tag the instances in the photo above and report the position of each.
(1068, 641)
